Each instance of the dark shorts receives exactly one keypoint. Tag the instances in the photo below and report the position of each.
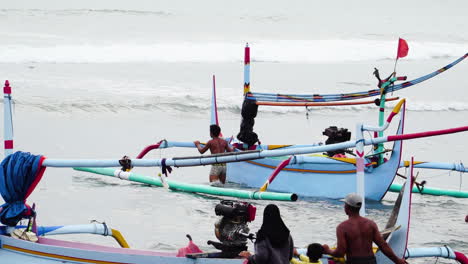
(361, 260)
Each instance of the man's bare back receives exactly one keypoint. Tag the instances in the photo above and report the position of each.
(217, 145)
(356, 235)
(358, 232)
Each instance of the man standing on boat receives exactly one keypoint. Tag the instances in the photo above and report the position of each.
(355, 237)
(216, 145)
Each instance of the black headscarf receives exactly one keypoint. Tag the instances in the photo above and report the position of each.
(273, 227)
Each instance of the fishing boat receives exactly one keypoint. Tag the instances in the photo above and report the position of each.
(324, 176)
(20, 173)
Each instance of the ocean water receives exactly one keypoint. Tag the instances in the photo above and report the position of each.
(103, 79)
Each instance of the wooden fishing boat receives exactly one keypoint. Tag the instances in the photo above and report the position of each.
(15, 247)
(20, 172)
(321, 176)
(47, 250)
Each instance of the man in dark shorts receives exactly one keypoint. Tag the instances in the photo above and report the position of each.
(215, 145)
(355, 236)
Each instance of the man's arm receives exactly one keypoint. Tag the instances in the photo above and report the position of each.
(341, 244)
(228, 148)
(386, 249)
(200, 148)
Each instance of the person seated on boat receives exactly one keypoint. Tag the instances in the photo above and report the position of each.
(215, 145)
(274, 244)
(313, 255)
(355, 237)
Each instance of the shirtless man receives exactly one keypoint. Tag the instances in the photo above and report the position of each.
(355, 237)
(216, 145)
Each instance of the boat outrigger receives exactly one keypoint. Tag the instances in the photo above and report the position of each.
(20, 172)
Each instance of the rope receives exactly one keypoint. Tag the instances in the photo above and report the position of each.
(461, 178)
(106, 228)
(448, 251)
(164, 168)
(126, 163)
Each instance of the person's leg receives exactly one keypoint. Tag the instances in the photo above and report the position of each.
(214, 178)
(214, 173)
(222, 175)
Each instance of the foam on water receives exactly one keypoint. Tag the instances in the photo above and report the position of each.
(286, 51)
(200, 104)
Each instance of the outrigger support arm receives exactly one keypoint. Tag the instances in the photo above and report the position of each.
(242, 156)
(394, 112)
(92, 228)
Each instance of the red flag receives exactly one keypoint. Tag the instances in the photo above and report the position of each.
(402, 48)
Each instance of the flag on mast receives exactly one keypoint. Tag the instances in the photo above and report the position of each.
(402, 48)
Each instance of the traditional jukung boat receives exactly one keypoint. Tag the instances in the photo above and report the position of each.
(20, 172)
(317, 175)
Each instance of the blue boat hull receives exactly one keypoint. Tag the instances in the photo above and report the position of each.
(319, 176)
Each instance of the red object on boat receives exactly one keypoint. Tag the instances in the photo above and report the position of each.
(460, 257)
(190, 248)
(402, 48)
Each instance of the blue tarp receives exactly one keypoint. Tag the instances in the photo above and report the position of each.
(18, 173)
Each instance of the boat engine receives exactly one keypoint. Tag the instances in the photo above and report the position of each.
(231, 229)
(336, 135)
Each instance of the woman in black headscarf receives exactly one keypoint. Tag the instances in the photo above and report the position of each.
(274, 244)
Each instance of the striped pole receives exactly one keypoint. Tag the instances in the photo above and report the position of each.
(383, 96)
(277, 170)
(360, 185)
(7, 119)
(382, 126)
(246, 69)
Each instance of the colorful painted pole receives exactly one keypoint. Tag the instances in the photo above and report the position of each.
(187, 187)
(214, 106)
(383, 94)
(385, 125)
(360, 189)
(338, 103)
(246, 69)
(431, 191)
(277, 170)
(435, 165)
(241, 156)
(93, 228)
(360, 128)
(7, 119)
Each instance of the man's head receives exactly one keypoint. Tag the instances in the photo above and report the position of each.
(314, 252)
(215, 130)
(353, 203)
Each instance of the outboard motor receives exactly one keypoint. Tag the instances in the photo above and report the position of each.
(336, 135)
(231, 229)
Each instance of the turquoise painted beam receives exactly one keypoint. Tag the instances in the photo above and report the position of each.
(193, 188)
(432, 191)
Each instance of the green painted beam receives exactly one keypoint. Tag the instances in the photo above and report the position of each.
(432, 191)
(193, 188)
